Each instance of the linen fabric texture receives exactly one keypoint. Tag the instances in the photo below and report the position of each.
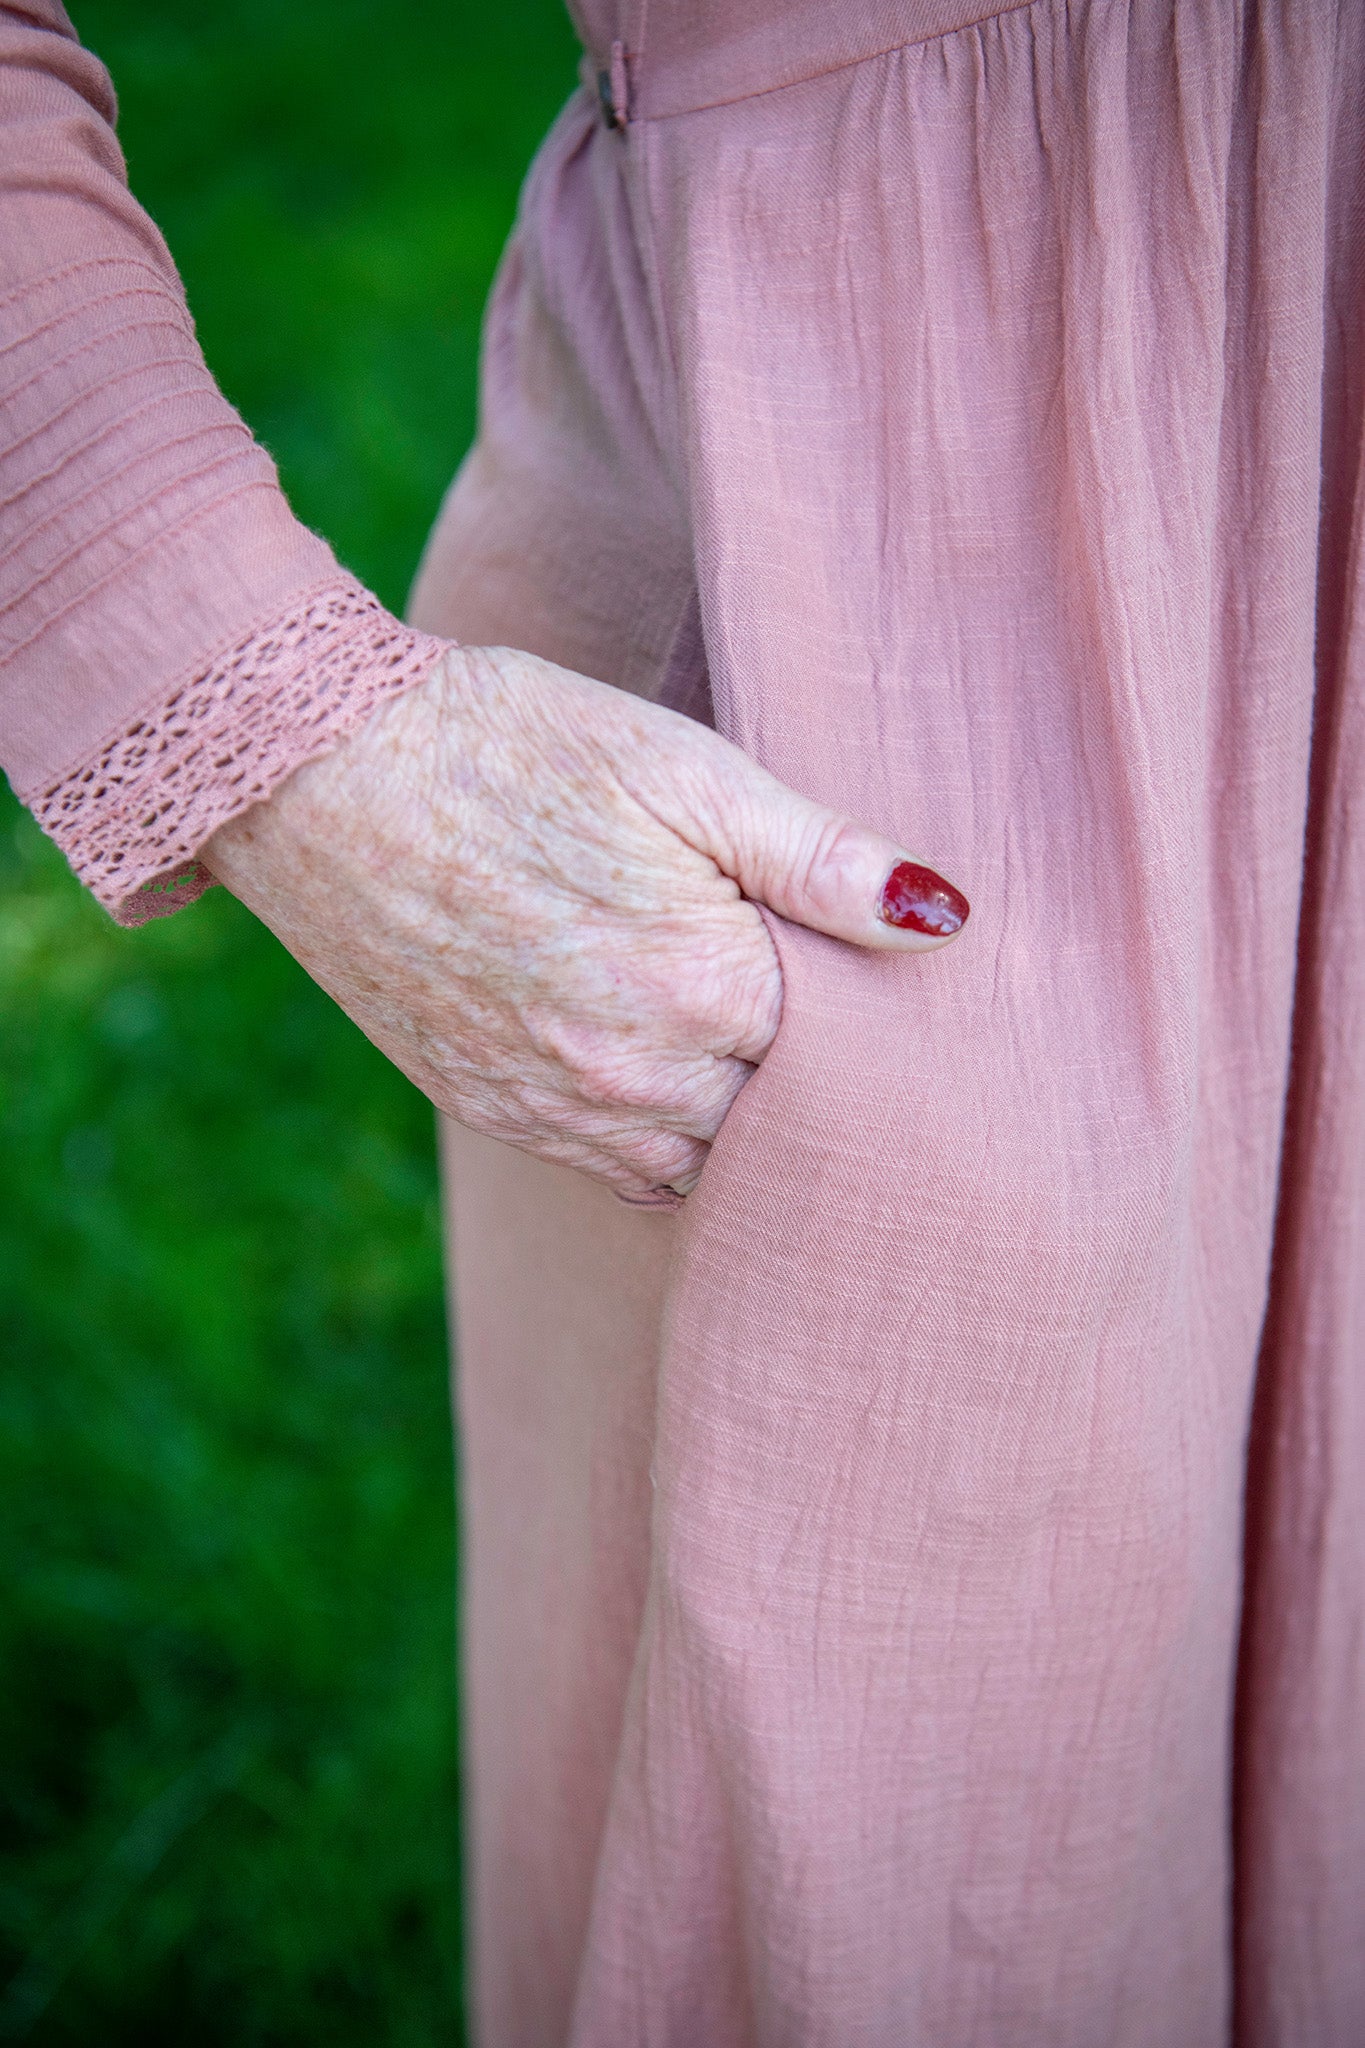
(917, 1594)
(914, 1594)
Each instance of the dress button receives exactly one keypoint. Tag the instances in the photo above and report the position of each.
(608, 100)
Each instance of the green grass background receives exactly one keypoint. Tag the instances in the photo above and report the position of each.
(227, 1718)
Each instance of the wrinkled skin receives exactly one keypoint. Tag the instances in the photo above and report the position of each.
(536, 895)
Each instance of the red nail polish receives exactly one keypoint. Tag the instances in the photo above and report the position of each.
(915, 899)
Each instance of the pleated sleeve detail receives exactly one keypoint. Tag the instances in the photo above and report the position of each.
(173, 641)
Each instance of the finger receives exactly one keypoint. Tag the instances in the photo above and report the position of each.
(633, 1151)
(632, 1084)
(810, 864)
(610, 1164)
(698, 1101)
(662, 1159)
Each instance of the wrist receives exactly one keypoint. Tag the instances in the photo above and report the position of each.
(317, 814)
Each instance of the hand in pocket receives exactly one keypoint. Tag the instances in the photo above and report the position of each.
(536, 894)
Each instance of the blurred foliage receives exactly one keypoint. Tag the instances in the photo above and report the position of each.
(227, 1729)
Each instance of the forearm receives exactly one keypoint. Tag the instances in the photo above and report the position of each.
(173, 642)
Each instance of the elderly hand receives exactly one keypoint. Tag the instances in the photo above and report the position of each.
(529, 889)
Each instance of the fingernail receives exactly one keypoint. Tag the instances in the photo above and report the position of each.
(915, 899)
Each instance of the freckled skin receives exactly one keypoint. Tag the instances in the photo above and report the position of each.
(530, 889)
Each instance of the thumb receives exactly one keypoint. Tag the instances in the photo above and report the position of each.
(815, 867)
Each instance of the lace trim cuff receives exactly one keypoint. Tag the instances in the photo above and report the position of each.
(132, 819)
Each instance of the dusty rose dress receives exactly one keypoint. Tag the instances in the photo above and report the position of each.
(915, 1596)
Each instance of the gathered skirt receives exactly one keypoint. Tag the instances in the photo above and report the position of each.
(914, 1596)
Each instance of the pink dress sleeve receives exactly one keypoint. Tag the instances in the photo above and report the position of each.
(173, 642)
